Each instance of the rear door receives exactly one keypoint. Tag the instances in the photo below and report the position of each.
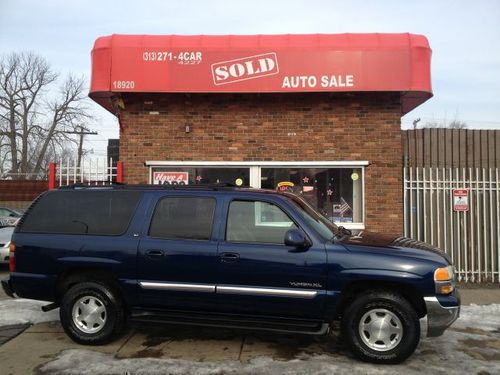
(177, 258)
(257, 273)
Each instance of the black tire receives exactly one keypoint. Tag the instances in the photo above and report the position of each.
(393, 313)
(107, 317)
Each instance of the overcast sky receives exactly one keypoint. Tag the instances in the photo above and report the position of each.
(464, 37)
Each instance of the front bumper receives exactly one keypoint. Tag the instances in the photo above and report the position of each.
(439, 317)
(7, 288)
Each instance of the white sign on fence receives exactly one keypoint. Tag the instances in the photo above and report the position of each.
(460, 200)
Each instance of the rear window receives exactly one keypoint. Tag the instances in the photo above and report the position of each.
(187, 218)
(82, 212)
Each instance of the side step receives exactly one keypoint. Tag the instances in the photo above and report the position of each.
(307, 327)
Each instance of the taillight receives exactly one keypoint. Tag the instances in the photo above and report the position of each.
(12, 257)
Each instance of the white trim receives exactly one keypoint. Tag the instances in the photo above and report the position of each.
(271, 292)
(310, 164)
(179, 287)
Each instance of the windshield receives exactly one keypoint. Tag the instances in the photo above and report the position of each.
(321, 224)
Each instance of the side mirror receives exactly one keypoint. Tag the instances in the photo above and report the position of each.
(297, 239)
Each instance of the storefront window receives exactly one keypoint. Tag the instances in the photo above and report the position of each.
(200, 175)
(335, 192)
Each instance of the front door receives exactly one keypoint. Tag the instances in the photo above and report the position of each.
(177, 254)
(258, 274)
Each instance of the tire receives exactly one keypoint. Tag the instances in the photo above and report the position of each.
(92, 313)
(381, 327)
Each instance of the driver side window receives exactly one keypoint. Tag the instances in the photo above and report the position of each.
(257, 222)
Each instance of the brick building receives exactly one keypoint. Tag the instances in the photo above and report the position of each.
(315, 114)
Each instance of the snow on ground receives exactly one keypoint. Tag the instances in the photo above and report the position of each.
(471, 345)
(23, 311)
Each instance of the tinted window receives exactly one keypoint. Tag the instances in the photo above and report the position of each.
(82, 212)
(183, 218)
(254, 221)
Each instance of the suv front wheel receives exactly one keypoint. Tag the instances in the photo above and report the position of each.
(381, 327)
(91, 313)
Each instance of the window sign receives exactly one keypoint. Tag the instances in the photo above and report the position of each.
(200, 175)
(170, 178)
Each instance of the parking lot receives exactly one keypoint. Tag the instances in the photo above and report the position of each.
(471, 345)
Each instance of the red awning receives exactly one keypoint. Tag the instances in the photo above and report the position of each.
(262, 64)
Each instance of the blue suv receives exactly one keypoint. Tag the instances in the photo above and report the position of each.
(224, 256)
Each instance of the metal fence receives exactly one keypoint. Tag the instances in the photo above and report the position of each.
(90, 172)
(472, 237)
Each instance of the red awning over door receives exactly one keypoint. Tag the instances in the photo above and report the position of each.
(262, 64)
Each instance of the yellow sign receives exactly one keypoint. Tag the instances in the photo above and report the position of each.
(239, 182)
(284, 185)
(355, 176)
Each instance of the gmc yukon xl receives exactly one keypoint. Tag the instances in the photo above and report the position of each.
(223, 256)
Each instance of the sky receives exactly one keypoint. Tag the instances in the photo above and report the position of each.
(464, 37)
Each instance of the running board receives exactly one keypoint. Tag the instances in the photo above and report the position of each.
(251, 322)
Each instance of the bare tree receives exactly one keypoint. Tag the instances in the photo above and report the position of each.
(33, 121)
(454, 124)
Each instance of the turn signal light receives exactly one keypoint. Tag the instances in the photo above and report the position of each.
(443, 274)
(12, 257)
(444, 280)
(446, 289)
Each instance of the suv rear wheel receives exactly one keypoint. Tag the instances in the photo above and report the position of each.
(92, 313)
(381, 327)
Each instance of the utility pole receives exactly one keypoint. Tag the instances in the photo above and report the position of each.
(82, 132)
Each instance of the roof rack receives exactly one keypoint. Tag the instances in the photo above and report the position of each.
(217, 186)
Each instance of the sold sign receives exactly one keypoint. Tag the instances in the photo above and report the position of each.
(245, 68)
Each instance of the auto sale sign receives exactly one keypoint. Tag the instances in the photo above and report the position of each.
(460, 200)
(261, 64)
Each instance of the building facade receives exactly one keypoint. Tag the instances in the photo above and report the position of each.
(316, 115)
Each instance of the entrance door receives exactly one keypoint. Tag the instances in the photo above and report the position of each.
(177, 260)
(257, 273)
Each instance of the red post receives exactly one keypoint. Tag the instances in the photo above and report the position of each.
(52, 176)
(119, 171)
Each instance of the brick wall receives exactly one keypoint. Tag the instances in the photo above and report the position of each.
(285, 127)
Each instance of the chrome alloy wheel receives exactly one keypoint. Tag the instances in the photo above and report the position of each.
(380, 330)
(89, 314)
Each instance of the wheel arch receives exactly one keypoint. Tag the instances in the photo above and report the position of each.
(75, 275)
(407, 291)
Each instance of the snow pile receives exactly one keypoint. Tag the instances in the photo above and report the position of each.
(24, 311)
(470, 346)
(485, 317)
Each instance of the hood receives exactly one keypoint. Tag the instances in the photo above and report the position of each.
(404, 245)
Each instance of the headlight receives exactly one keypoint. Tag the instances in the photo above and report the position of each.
(444, 280)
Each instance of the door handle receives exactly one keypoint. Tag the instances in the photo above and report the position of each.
(229, 257)
(154, 254)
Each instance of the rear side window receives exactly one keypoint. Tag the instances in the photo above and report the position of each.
(82, 212)
(183, 218)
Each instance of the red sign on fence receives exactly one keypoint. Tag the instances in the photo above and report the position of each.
(460, 200)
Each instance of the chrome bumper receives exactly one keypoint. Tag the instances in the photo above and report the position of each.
(438, 318)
